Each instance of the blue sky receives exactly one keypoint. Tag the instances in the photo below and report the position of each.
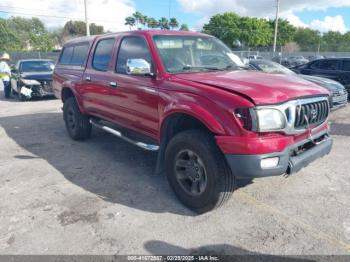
(322, 15)
(161, 9)
(308, 16)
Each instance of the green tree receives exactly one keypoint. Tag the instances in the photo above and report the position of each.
(230, 28)
(152, 22)
(130, 21)
(138, 18)
(143, 20)
(184, 27)
(286, 31)
(307, 39)
(78, 28)
(333, 42)
(173, 23)
(18, 33)
(164, 23)
(96, 29)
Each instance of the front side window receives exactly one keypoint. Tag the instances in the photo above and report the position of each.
(132, 47)
(103, 54)
(181, 54)
(328, 64)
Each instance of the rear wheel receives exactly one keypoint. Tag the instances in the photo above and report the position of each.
(77, 124)
(197, 171)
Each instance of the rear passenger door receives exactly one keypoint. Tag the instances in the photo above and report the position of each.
(135, 99)
(98, 79)
(345, 73)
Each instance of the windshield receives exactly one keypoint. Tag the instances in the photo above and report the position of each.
(37, 66)
(272, 67)
(181, 54)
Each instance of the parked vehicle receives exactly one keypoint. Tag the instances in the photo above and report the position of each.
(339, 97)
(315, 57)
(337, 69)
(181, 94)
(294, 61)
(32, 78)
(254, 57)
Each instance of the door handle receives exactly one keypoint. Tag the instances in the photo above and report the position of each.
(88, 78)
(113, 84)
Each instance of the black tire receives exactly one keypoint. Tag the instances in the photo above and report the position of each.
(219, 182)
(77, 124)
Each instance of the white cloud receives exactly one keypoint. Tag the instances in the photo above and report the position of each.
(109, 13)
(266, 8)
(329, 23)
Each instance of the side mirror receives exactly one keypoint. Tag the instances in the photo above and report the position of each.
(138, 66)
(14, 71)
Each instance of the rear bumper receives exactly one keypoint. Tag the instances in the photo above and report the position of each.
(249, 166)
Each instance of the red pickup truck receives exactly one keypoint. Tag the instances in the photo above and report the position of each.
(184, 95)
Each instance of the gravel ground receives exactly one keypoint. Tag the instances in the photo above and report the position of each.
(102, 196)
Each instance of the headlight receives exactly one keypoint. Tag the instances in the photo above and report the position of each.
(30, 82)
(270, 120)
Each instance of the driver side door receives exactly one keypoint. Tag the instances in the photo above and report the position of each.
(134, 99)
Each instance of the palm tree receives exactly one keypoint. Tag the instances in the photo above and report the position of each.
(173, 23)
(184, 27)
(152, 23)
(163, 23)
(130, 21)
(143, 20)
(138, 17)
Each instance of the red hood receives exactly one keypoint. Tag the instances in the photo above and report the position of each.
(262, 88)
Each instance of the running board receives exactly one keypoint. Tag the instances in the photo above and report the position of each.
(148, 147)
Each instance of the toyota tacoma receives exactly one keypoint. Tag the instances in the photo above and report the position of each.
(184, 95)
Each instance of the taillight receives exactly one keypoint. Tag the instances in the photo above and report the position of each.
(244, 116)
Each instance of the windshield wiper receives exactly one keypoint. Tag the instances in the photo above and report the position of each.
(202, 68)
(236, 67)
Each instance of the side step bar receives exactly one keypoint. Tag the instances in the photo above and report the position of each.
(148, 147)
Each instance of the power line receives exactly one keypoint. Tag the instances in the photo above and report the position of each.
(55, 16)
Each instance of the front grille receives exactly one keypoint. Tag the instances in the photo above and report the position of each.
(311, 114)
(46, 85)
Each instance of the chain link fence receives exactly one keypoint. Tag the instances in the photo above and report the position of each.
(15, 56)
(269, 55)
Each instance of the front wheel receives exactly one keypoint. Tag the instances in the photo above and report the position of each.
(77, 124)
(197, 171)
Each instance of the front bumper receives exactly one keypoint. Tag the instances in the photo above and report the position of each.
(339, 101)
(249, 166)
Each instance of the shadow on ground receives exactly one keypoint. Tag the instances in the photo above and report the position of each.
(226, 252)
(340, 129)
(104, 165)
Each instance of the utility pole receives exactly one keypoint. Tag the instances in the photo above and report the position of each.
(169, 10)
(86, 19)
(276, 25)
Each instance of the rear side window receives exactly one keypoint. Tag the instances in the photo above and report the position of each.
(132, 47)
(346, 65)
(103, 54)
(79, 55)
(66, 55)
